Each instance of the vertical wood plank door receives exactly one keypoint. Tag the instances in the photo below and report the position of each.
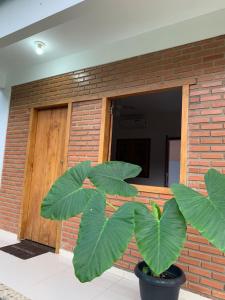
(48, 155)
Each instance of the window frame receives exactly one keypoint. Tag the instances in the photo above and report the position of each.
(106, 133)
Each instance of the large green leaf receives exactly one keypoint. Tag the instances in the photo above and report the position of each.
(66, 197)
(206, 214)
(160, 237)
(109, 177)
(102, 240)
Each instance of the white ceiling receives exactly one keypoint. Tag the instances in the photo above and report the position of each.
(20, 16)
(103, 22)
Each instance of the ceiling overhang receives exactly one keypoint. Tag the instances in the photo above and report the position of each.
(189, 31)
(95, 32)
(30, 17)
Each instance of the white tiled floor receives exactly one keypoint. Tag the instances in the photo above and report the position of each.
(50, 276)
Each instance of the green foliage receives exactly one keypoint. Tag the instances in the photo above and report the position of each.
(160, 237)
(109, 178)
(66, 197)
(156, 211)
(206, 214)
(102, 240)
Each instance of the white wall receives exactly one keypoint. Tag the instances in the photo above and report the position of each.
(4, 111)
(2, 80)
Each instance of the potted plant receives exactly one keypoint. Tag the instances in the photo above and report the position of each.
(160, 238)
(102, 240)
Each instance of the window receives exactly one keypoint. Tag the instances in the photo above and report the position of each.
(139, 119)
(136, 151)
(148, 129)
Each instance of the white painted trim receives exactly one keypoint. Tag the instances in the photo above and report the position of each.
(2, 80)
(8, 236)
(65, 253)
(5, 95)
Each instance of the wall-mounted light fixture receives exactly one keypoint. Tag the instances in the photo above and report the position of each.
(39, 47)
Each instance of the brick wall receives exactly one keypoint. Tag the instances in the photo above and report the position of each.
(205, 61)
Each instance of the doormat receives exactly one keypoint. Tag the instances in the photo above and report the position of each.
(7, 293)
(27, 249)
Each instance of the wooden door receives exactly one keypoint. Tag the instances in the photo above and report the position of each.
(47, 165)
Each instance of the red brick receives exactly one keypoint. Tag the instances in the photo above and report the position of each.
(210, 98)
(213, 267)
(218, 148)
(212, 155)
(212, 126)
(218, 294)
(200, 148)
(213, 57)
(200, 133)
(199, 163)
(200, 255)
(211, 140)
(218, 119)
(199, 120)
(212, 112)
(219, 260)
(200, 289)
(218, 103)
(218, 133)
(218, 163)
(219, 277)
(214, 284)
(219, 90)
(209, 249)
(200, 92)
(190, 261)
(212, 83)
(198, 239)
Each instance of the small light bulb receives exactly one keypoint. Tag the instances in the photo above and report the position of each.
(39, 51)
(39, 47)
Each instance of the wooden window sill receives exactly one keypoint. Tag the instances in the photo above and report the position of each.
(153, 189)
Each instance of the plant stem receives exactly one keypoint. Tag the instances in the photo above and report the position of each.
(111, 205)
(155, 275)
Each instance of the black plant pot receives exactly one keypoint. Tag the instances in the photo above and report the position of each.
(154, 288)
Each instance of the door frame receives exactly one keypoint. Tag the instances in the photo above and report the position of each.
(29, 163)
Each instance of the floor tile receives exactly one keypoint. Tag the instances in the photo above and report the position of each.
(51, 277)
(123, 290)
(64, 285)
(185, 295)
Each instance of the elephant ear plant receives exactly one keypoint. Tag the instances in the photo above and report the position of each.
(160, 237)
(102, 240)
(205, 213)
